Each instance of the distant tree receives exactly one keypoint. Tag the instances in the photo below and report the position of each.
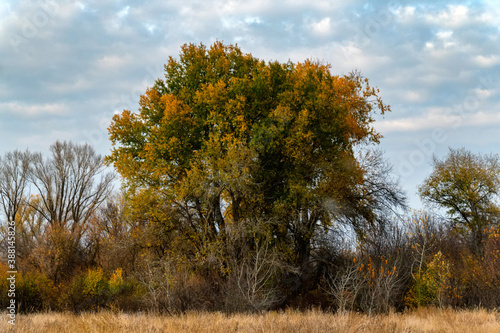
(467, 186)
(70, 184)
(14, 180)
(14, 184)
(52, 201)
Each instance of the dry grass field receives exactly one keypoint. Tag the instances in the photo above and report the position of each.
(422, 320)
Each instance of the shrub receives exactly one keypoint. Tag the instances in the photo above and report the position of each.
(34, 291)
(88, 291)
(431, 284)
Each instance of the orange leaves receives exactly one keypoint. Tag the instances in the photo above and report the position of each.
(225, 130)
(377, 271)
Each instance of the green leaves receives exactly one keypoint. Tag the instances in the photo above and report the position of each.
(467, 186)
(231, 138)
(464, 183)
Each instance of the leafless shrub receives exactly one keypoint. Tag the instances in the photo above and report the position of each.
(344, 286)
(252, 284)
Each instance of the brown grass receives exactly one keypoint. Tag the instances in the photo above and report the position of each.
(422, 320)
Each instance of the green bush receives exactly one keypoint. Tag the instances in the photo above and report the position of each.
(88, 291)
(431, 284)
(33, 291)
(92, 290)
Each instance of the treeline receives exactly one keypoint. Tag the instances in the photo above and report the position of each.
(119, 255)
(247, 186)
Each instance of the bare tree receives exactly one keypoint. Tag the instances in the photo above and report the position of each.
(345, 286)
(158, 278)
(254, 279)
(71, 184)
(14, 171)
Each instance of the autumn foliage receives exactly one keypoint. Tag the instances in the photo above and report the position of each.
(248, 186)
(237, 153)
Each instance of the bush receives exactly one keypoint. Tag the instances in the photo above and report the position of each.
(88, 291)
(34, 291)
(432, 284)
(126, 294)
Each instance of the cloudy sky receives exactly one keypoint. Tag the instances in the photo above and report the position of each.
(67, 66)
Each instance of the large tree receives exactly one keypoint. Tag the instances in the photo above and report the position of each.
(467, 186)
(226, 140)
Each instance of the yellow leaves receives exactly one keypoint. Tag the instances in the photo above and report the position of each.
(299, 145)
(116, 280)
(227, 129)
(466, 184)
(93, 282)
(224, 165)
(283, 115)
(174, 109)
(212, 95)
(431, 285)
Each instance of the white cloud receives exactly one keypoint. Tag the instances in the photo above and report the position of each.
(124, 12)
(482, 94)
(411, 124)
(444, 34)
(151, 28)
(76, 86)
(5, 10)
(453, 16)
(438, 120)
(405, 13)
(112, 61)
(81, 6)
(414, 97)
(253, 20)
(32, 110)
(322, 27)
(487, 61)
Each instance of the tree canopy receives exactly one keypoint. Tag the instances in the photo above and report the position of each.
(467, 185)
(227, 139)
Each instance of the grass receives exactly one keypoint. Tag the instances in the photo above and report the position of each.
(421, 320)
